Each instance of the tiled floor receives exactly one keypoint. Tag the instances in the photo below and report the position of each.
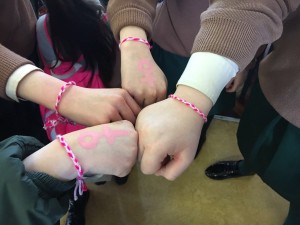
(193, 199)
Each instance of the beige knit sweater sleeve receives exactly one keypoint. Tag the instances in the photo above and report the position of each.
(9, 62)
(231, 28)
(236, 29)
(123, 13)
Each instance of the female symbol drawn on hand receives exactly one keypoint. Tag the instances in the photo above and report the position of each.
(89, 139)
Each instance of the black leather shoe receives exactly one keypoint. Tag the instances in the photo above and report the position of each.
(76, 215)
(223, 170)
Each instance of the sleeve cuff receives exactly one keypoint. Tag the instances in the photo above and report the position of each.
(16, 77)
(208, 73)
(48, 186)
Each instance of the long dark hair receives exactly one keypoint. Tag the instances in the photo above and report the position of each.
(76, 29)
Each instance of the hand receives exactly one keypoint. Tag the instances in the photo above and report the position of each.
(103, 149)
(236, 83)
(141, 77)
(98, 106)
(113, 151)
(170, 128)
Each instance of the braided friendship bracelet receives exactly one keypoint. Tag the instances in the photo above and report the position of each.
(192, 106)
(60, 119)
(135, 39)
(62, 90)
(80, 184)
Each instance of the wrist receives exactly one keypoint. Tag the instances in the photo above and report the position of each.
(134, 39)
(200, 100)
(68, 103)
(16, 77)
(34, 86)
(52, 160)
(138, 34)
(132, 31)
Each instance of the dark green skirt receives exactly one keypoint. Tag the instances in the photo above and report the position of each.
(270, 146)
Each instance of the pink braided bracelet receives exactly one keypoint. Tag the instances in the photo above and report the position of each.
(60, 119)
(62, 90)
(135, 39)
(80, 184)
(192, 106)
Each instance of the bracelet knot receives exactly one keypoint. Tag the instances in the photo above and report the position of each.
(80, 186)
(60, 119)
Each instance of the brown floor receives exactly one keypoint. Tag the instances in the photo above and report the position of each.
(193, 199)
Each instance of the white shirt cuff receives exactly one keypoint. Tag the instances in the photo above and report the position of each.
(15, 78)
(208, 73)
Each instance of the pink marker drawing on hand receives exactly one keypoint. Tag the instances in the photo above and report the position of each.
(88, 139)
(146, 68)
(110, 134)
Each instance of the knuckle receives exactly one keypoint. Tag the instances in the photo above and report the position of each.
(124, 170)
(120, 100)
(110, 111)
(128, 125)
(138, 93)
(152, 93)
(170, 177)
(122, 93)
(146, 171)
(163, 92)
(124, 173)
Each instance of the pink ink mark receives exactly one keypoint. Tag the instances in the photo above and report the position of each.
(88, 139)
(110, 134)
(146, 68)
